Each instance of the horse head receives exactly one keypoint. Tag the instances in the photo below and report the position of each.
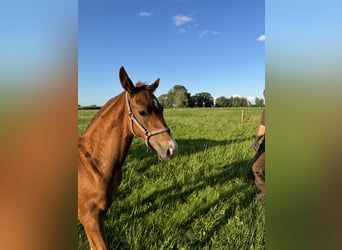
(146, 118)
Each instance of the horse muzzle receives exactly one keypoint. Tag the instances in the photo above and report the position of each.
(167, 152)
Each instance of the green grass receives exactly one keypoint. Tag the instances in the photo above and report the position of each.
(202, 199)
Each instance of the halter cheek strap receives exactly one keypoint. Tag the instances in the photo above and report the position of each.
(148, 134)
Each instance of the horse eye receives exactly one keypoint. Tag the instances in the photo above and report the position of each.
(142, 113)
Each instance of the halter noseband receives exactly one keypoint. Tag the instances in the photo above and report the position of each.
(148, 134)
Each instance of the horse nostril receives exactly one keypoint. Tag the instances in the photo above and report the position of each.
(169, 152)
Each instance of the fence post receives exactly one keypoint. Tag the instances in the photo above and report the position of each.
(242, 115)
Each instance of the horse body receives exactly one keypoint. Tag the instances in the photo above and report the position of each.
(105, 144)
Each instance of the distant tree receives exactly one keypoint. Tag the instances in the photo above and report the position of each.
(88, 107)
(236, 101)
(165, 101)
(203, 99)
(259, 102)
(179, 96)
(222, 102)
(195, 101)
(243, 102)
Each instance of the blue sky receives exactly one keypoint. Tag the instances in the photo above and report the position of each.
(206, 46)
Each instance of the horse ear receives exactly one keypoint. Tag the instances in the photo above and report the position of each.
(126, 83)
(155, 84)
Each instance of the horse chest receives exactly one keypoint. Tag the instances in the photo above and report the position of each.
(114, 184)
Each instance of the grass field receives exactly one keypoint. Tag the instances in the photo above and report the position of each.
(202, 199)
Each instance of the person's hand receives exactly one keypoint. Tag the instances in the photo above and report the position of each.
(255, 144)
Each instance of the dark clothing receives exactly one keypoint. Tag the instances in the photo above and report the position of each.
(258, 167)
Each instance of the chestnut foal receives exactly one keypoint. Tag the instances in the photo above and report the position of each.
(103, 147)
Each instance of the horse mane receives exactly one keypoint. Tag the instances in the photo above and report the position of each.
(109, 103)
(138, 87)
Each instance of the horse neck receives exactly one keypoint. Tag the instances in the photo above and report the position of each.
(108, 136)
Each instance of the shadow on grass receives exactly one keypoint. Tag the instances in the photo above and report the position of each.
(185, 147)
(179, 194)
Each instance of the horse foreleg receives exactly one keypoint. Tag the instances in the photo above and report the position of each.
(93, 224)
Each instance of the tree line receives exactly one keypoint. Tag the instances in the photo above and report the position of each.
(179, 97)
